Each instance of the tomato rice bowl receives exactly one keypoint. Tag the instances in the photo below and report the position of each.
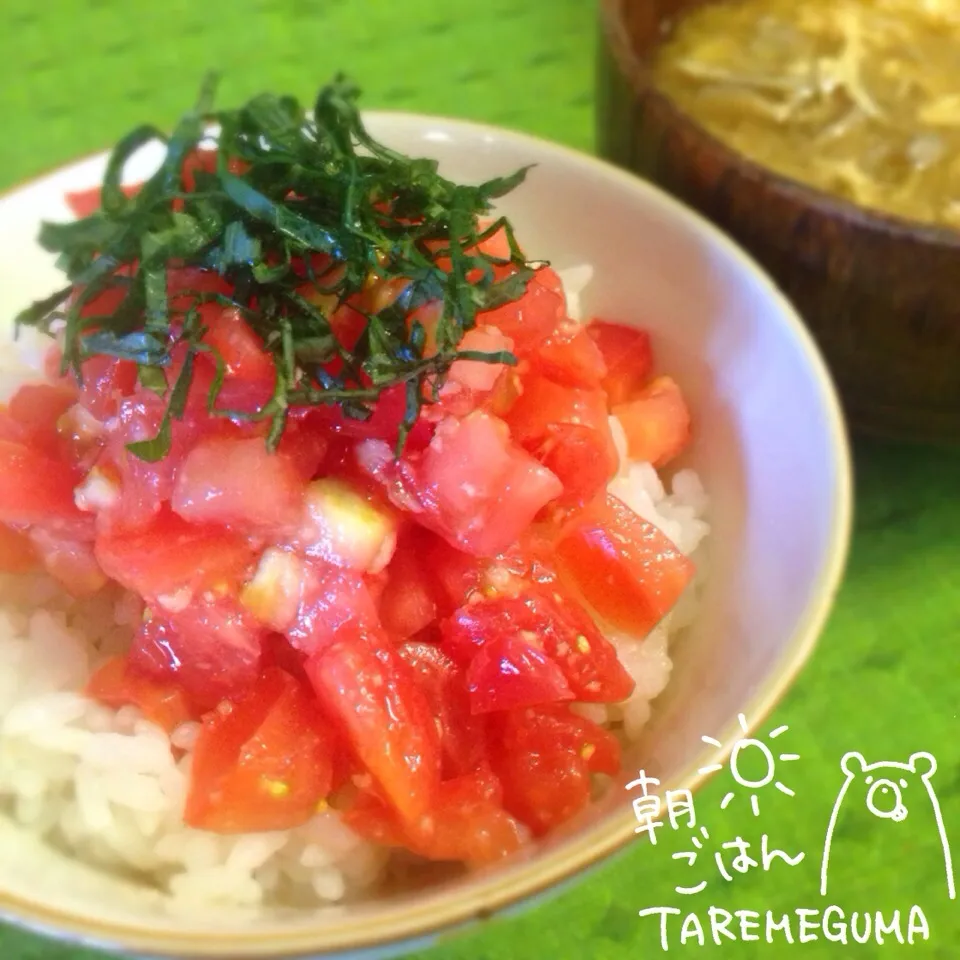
(276, 678)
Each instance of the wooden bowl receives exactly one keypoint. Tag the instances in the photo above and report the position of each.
(881, 295)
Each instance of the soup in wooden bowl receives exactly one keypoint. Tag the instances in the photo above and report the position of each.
(824, 140)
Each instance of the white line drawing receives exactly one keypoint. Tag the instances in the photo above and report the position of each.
(885, 801)
(751, 744)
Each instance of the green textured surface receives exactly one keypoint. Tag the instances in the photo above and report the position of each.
(74, 76)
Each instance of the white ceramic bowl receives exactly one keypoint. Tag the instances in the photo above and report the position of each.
(770, 446)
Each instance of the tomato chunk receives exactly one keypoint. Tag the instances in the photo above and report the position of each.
(407, 604)
(558, 626)
(106, 381)
(570, 356)
(238, 483)
(36, 408)
(507, 673)
(68, 560)
(444, 685)
(656, 423)
(115, 684)
(170, 555)
(471, 485)
(625, 567)
(544, 404)
(330, 600)
(211, 648)
(534, 316)
(370, 693)
(145, 487)
(628, 358)
(249, 374)
(567, 429)
(83, 203)
(261, 762)
(35, 488)
(383, 424)
(467, 822)
(544, 757)
(341, 525)
(16, 553)
(580, 457)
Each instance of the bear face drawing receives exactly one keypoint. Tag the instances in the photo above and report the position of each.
(888, 790)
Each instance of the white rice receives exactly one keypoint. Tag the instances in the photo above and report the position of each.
(106, 786)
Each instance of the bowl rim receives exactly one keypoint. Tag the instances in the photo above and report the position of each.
(635, 68)
(499, 891)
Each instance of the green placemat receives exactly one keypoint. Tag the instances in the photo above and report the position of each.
(74, 76)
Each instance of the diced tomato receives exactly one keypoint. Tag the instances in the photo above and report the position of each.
(330, 600)
(318, 265)
(383, 424)
(624, 566)
(249, 373)
(106, 381)
(262, 761)
(115, 684)
(628, 357)
(205, 160)
(656, 423)
(455, 574)
(558, 626)
(70, 561)
(146, 486)
(305, 444)
(36, 408)
(35, 488)
(212, 648)
(471, 485)
(239, 483)
(83, 203)
(347, 325)
(408, 631)
(508, 673)
(308, 600)
(467, 823)
(369, 691)
(407, 603)
(544, 757)
(544, 404)
(444, 684)
(277, 651)
(569, 356)
(580, 458)
(476, 378)
(170, 555)
(16, 552)
(10, 430)
(568, 430)
(104, 303)
(505, 393)
(143, 487)
(497, 246)
(534, 316)
(184, 284)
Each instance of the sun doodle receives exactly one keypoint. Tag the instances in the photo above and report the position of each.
(748, 745)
